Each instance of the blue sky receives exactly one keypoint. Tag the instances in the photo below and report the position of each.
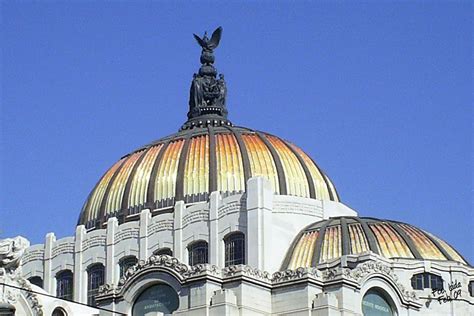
(379, 94)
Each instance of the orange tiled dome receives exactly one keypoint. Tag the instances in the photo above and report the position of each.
(330, 239)
(192, 163)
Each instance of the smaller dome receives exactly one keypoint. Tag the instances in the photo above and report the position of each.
(332, 238)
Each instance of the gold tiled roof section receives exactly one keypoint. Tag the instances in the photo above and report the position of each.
(331, 247)
(190, 164)
(165, 181)
(230, 171)
(261, 161)
(303, 253)
(114, 198)
(450, 250)
(92, 207)
(296, 182)
(330, 239)
(139, 184)
(425, 246)
(390, 242)
(196, 170)
(320, 186)
(358, 239)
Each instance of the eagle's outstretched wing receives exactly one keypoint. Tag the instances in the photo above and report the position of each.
(215, 38)
(200, 41)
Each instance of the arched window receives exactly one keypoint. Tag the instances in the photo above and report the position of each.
(36, 280)
(163, 251)
(95, 278)
(58, 311)
(198, 253)
(126, 263)
(64, 284)
(234, 245)
(160, 298)
(377, 303)
(426, 281)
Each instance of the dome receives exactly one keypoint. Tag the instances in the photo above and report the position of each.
(330, 239)
(195, 161)
(208, 154)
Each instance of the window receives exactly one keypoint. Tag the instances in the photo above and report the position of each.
(160, 298)
(64, 284)
(95, 278)
(36, 280)
(377, 303)
(164, 251)
(234, 249)
(198, 253)
(471, 288)
(58, 311)
(426, 281)
(126, 263)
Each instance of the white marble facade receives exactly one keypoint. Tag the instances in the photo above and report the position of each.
(270, 223)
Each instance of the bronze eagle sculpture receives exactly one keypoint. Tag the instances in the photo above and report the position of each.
(209, 44)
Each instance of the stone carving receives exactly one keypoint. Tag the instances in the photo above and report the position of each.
(288, 275)
(11, 252)
(246, 271)
(363, 270)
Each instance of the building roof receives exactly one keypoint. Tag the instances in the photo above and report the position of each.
(192, 163)
(332, 238)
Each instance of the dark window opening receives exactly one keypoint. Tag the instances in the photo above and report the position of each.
(164, 251)
(198, 253)
(36, 280)
(234, 249)
(426, 281)
(95, 278)
(471, 288)
(64, 285)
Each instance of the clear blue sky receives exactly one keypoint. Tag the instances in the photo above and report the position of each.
(379, 94)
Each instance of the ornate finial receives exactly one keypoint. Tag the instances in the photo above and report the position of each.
(208, 94)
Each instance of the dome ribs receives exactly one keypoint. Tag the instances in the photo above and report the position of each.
(407, 240)
(101, 218)
(319, 242)
(212, 160)
(370, 235)
(179, 190)
(150, 196)
(309, 178)
(125, 208)
(243, 152)
(346, 247)
(278, 164)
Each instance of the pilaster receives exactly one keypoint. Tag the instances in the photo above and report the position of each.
(110, 274)
(259, 223)
(179, 209)
(145, 217)
(214, 203)
(49, 279)
(79, 273)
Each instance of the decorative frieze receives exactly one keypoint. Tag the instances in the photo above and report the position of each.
(63, 248)
(95, 241)
(229, 208)
(127, 233)
(295, 207)
(33, 255)
(165, 224)
(196, 216)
